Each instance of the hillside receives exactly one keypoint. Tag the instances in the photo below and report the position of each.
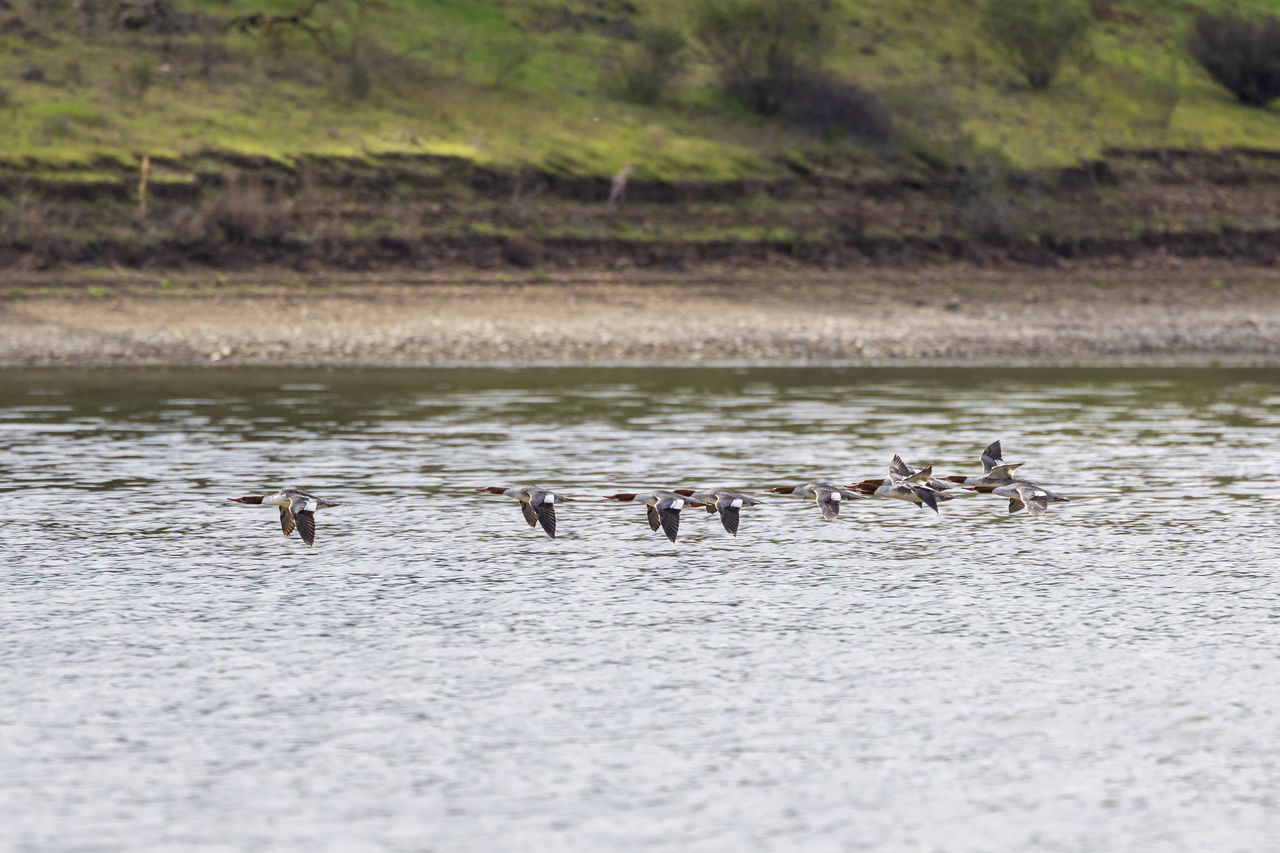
(523, 83)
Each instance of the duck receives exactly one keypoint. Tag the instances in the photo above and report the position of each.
(906, 484)
(871, 487)
(537, 504)
(662, 508)
(827, 496)
(297, 509)
(995, 471)
(1023, 494)
(726, 502)
(998, 474)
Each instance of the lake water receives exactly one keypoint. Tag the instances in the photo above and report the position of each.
(435, 675)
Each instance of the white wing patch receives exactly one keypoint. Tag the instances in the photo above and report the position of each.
(677, 504)
(549, 499)
(311, 506)
(736, 502)
(835, 496)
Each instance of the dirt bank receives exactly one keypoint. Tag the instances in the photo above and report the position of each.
(962, 312)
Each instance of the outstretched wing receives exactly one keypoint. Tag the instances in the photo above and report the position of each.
(546, 513)
(286, 520)
(303, 510)
(1000, 472)
(991, 457)
(898, 468)
(652, 515)
(829, 505)
(306, 526)
(529, 515)
(1038, 505)
(1015, 505)
(924, 475)
(926, 496)
(670, 519)
(729, 518)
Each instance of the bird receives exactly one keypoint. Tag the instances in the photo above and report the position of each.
(297, 509)
(872, 486)
(1022, 494)
(662, 508)
(827, 497)
(727, 503)
(537, 504)
(995, 472)
(907, 484)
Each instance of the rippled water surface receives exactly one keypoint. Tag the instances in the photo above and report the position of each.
(434, 675)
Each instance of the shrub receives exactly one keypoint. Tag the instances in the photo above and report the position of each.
(1037, 35)
(645, 75)
(1241, 54)
(756, 44)
(820, 102)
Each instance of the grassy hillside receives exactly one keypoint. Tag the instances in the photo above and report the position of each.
(508, 83)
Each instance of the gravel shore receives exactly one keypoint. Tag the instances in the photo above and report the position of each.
(954, 312)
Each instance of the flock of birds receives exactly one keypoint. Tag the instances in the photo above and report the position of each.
(663, 506)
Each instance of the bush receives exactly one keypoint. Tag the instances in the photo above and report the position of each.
(1241, 54)
(647, 73)
(1037, 35)
(756, 45)
(826, 105)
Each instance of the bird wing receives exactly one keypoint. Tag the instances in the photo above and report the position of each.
(927, 497)
(306, 526)
(729, 515)
(286, 520)
(991, 457)
(924, 475)
(1038, 505)
(1014, 505)
(829, 504)
(1002, 471)
(529, 515)
(898, 468)
(652, 515)
(670, 518)
(546, 514)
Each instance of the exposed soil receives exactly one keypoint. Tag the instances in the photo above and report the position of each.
(960, 311)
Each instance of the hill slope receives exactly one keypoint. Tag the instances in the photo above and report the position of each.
(521, 83)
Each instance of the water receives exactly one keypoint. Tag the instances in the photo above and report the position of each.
(434, 675)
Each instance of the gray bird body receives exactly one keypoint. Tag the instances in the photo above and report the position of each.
(297, 510)
(726, 502)
(536, 503)
(662, 508)
(826, 496)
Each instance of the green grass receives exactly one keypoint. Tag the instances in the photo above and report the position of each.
(512, 84)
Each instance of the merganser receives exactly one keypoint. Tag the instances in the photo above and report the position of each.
(906, 484)
(662, 508)
(871, 486)
(997, 474)
(537, 504)
(297, 509)
(827, 497)
(1022, 494)
(727, 503)
(994, 471)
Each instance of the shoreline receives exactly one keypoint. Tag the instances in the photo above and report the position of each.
(1191, 312)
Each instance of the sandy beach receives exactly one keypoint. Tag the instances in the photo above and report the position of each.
(949, 312)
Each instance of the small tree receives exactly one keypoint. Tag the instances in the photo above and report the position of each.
(1037, 35)
(644, 76)
(1241, 54)
(756, 43)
